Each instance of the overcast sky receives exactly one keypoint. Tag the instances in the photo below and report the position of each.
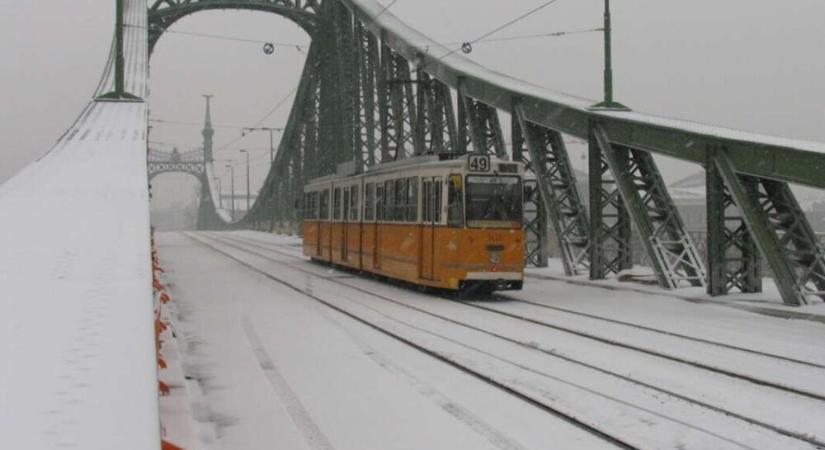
(750, 64)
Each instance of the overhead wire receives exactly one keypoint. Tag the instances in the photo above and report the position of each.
(503, 26)
(531, 36)
(299, 47)
(262, 120)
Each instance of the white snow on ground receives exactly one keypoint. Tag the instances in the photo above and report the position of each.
(76, 337)
(280, 371)
(647, 400)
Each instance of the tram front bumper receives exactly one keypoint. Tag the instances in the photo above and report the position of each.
(499, 281)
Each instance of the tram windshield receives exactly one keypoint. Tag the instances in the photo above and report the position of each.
(494, 202)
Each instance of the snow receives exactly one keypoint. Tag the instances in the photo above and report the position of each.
(76, 333)
(644, 399)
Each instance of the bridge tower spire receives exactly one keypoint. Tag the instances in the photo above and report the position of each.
(208, 132)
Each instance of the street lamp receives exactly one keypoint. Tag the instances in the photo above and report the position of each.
(608, 102)
(248, 202)
(232, 191)
(220, 192)
(271, 139)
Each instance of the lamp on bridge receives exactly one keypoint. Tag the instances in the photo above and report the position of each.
(232, 191)
(272, 131)
(608, 103)
(248, 202)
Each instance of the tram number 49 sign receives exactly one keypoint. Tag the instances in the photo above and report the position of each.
(479, 163)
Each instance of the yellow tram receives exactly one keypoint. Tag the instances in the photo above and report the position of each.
(443, 221)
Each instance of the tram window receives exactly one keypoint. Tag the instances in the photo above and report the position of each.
(353, 204)
(345, 205)
(400, 200)
(389, 201)
(324, 205)
(336, 204)
(494, 201)
(455, 198)
(412, 200)
(313, 205)
(369, 202)
(379, 202)
(436, 202)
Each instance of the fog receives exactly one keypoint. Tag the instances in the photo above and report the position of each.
(754, 65)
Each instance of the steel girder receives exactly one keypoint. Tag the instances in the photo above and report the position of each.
(398, 103)
(732, 256)
(610, 231)
(436, 124)
(559, 196)
(781, 232)
(479, 125)
(536, 245)
(652, 213)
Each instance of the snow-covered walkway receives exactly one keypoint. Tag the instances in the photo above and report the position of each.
(289, 354)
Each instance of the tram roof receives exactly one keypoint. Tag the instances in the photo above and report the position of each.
(444, 160)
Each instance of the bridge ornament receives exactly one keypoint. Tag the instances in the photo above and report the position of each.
(374, 90)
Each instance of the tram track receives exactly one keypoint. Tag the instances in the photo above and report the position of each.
(513, 299)
(617, 343)
(238, 243)
(531, 400)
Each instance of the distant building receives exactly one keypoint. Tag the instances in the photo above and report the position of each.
(689, 196)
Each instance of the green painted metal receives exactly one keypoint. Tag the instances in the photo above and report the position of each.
(732, 257)
(610, 231)
(483, 124)
(537, 246)
(549, 161)
(119, 93)
(653, 214)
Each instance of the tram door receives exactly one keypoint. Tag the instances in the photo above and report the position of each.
(345, 227)
(379, 217)
(431, 216)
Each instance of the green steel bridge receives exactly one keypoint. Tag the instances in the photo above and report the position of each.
(374, 90)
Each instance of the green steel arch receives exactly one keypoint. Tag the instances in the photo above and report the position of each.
(164, 13)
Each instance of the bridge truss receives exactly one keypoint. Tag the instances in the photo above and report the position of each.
(374, 90)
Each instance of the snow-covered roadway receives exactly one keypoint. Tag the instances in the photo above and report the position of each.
(498, 378)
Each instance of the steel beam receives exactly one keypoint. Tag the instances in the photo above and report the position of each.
(653, 214)
(781, 232)
(558, 192)
(610, 231)
(732, 257)
(483, 124)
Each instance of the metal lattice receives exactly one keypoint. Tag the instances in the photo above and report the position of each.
(653, 214)
(548, 160)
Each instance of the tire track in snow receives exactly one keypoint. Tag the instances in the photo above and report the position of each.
(312, 434)
(494, 436)
(527, 398)
(226, 240)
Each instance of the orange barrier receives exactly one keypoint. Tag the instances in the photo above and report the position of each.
(162, 297)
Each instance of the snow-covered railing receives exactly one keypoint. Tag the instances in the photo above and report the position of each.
(76, 323)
